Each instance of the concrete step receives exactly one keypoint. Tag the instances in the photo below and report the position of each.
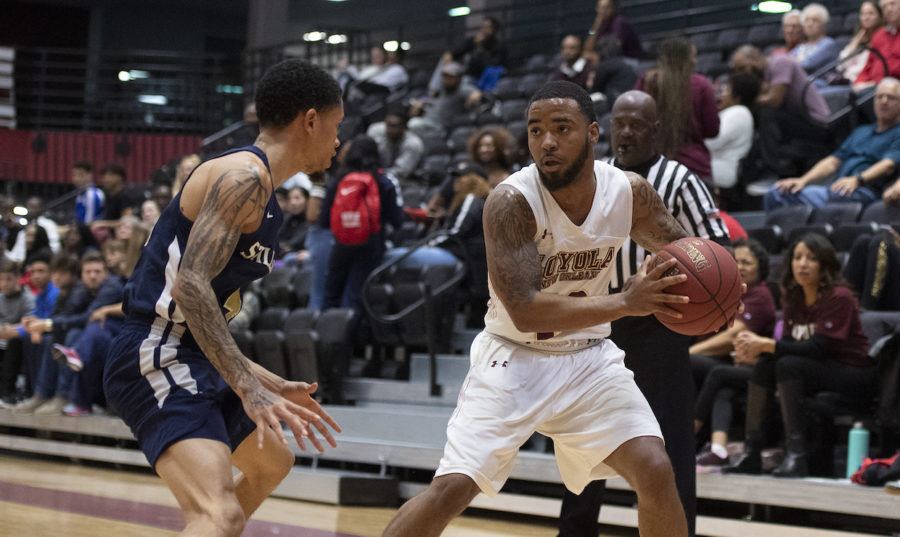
(394, 423)
(367, 390)
(339, 487)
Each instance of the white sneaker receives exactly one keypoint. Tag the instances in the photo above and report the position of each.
(29, 405)
(53, 407)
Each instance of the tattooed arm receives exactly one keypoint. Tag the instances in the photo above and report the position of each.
(228, 200)
(515, 272)
(652, 225)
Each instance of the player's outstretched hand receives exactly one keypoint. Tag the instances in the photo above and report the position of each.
(268, 410)
(645, 292)
(300, 393)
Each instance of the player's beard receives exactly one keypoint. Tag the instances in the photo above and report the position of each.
(564, 178)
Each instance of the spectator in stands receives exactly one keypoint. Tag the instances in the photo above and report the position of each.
(437, 206)
(686, 104)
(114, 255)
(719, 376)
(735, 129)
(65, 327)
(384, 71)
(9, 222)
(150, 212)
(37, 245)
(453, 100)
(490, 147)
(50, 382)
(44, 302)
(15, 303)
(460, 236)
(481, 51)
(817, 50)
(865, 163)
(33, 238)
(135, 236)
(609, 22)
(88, 355)
(614, 74)
(89, 202)
(871, 269)
(349, 265)
(870, 21)
(572, 65)
(162, 194)
(886, 41)
(35, 207)
(119, 201)
(183, 171)
(292, 236)
(786, 108)
(78, 239)
(823, 348)
(319, 242)
(401, 150)
(792, 30)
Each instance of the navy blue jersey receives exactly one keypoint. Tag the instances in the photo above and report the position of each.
(148, 293)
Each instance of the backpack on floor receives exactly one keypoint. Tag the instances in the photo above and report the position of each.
(356, 212)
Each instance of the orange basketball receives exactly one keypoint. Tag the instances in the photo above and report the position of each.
(713, 285)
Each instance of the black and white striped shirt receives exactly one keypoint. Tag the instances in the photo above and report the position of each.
(689, 201)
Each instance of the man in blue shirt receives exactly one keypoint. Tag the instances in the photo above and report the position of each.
(44, 303)
(90, 201)
(866, 163)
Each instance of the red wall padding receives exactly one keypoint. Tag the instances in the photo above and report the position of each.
(147, 152)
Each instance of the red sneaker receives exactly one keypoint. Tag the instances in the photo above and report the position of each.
(67, 356)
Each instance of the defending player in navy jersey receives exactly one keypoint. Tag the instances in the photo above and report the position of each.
(543, 362)
(175, 374)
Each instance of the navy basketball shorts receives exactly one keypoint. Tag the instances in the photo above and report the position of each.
(166, 391)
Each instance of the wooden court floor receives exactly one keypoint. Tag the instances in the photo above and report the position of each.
(40, 498)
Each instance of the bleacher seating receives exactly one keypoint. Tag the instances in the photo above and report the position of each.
(881, 213)
(268, 343)
(836, 413)
(300, 342)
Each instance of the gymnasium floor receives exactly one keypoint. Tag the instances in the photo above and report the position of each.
(39, 498)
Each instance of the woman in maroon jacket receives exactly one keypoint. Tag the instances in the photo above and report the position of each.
(823, 348)
(686, 104)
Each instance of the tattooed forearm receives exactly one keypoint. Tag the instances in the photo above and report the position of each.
(238, 196)
(652, 225)
(512, 256)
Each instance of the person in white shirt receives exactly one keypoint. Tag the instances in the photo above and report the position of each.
(35, 206)
(735, 128)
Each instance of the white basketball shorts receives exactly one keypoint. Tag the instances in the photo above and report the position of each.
(587, 402)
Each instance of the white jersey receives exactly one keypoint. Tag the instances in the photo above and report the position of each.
(575, 260)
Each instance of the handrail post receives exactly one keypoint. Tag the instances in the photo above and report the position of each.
(434, 388)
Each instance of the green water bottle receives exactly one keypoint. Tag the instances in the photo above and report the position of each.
(857, 447)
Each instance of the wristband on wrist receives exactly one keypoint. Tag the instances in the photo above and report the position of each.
(859, 180)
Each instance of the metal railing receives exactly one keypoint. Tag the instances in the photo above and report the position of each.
(427, 302)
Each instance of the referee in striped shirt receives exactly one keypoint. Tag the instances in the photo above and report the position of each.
(658, 357)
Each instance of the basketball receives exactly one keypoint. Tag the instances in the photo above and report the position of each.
(713, 285)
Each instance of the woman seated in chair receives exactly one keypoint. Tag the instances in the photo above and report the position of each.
(719, 372)
(823, 348)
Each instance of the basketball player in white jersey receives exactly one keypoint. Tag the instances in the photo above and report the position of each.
(543, 362)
